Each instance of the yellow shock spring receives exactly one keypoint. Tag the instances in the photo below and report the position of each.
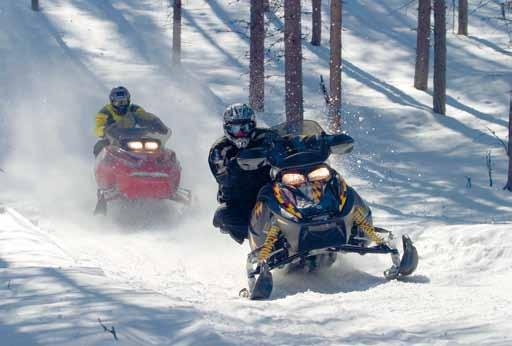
(367, 228)
(266, 249)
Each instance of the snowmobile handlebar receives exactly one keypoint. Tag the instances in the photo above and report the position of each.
(252, 159)
(340, 143)
(116, 132)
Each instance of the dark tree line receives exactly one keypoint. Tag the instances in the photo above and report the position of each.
(421, 71)
(423, 47)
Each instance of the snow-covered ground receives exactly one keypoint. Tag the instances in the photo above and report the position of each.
(165, 279)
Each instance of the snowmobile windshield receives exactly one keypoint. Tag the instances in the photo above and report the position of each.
(298, 143)
(301, 128)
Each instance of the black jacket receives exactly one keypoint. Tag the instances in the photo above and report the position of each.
(236, 186)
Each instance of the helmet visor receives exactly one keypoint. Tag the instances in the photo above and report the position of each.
(240, 129)
(120, 99)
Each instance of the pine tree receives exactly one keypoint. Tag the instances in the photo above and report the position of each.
(422, 46)
(463, 17)
(316, 38)
(176, 33)
(257, 56)
(293, 60)
(335, 65)
(509, 151)
(439, 57)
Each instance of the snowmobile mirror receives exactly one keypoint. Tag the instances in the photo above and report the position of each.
(340, 144)
(251, 159)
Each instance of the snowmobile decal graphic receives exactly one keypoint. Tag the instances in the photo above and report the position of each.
(258, 209)
(272, 237)
(288, 206)
(317, 191)
(365, 226)
(343, 194)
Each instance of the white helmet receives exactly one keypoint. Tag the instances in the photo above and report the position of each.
(239, 124)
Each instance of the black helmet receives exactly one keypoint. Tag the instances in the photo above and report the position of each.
(120, 99)
(239, 124)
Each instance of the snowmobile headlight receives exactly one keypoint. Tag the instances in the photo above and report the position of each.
(319, 174)
(151, 146)
(293, 179)
(135, 145)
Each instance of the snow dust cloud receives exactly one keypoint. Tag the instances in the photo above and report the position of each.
(48, 120)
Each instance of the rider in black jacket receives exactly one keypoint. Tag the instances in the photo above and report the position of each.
(238, 188)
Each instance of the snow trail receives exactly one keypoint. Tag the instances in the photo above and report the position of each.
(162, 279)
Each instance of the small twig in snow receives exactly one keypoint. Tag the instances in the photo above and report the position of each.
(488, 161)
(468, 182)
(111, 331)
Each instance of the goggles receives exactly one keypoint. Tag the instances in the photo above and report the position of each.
(240, 130)
(120, 99)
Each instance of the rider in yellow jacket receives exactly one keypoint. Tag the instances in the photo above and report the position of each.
(121, 112)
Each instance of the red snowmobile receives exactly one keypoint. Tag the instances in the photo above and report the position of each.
(137, 166)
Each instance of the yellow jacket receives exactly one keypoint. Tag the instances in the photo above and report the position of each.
(135, 115)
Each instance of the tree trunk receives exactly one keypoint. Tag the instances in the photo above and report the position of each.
(316, 39)
(257, 59)
(335, 65)
(35, 5)
(176, 33)
(463, 17)
(440, 56)
(509, 152)
(293, 60)
(422, 46)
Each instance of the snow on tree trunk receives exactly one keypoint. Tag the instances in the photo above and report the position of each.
(293, 60)
(335, 65)
(463, 17)
(422, 46)
(509, 151)
(316, 39)
(257, 59)
(35, 5)
(439, 56)
(176, 33)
